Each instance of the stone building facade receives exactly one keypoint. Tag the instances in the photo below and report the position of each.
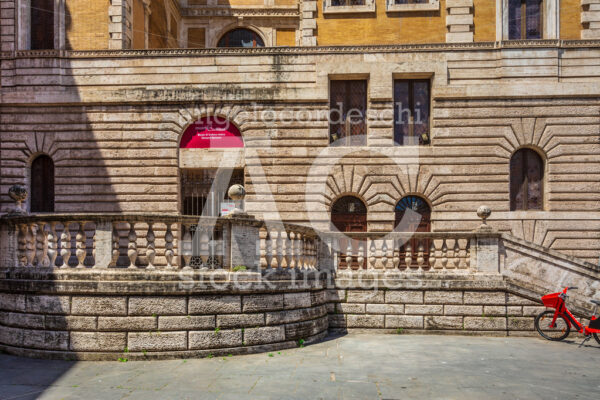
(110, 99)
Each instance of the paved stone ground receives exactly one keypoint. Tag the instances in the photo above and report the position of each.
(350, 367)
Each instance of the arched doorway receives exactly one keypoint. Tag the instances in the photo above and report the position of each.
(349, 214)
(413, 214)
(42, 185)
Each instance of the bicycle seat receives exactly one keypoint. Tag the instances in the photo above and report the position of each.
(596, 302)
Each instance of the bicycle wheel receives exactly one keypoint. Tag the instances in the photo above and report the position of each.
(596, 337)
(560, 331)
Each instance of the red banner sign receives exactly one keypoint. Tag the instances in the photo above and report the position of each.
(211, 133)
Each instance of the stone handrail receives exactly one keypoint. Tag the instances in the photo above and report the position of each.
(151, 241)
(403, 251)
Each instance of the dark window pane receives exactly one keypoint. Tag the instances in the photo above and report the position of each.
(402, 111)
(241, 38)
(347, 113)
(42, 24)
(526, 181)
(534, 19)
(514, 19)
(421, 111)
(42, 185)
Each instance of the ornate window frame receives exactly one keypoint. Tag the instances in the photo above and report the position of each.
(368, 7)
(23, 38)
(550, 20)
(431, 5)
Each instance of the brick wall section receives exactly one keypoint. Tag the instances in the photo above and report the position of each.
(143, 327)
(86, 24)
(450, 311)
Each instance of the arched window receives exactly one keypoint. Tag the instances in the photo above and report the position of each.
(413, 214)
(349, 214)
(241, 37)
(42, 184)
(526, 181)
(42, 24)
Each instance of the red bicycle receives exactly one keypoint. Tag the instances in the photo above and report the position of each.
(556, 325)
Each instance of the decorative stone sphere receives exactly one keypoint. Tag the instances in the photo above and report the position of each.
(484, 212)
(18, 193)
(237, 192)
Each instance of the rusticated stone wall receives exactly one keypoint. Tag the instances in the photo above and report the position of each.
(480, 305)
(79, 322)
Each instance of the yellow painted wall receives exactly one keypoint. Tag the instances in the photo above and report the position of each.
(196, 38)
(286, 37)
(381, 27)
(484, 20)
(139, 37)
(86, 24)
(158, 26)
(570, 19)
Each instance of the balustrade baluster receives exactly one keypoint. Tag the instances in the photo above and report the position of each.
(132, 251)
(80, 245)
(335, 253)
(298, 239)
(65, 245)
(456, 255)
(349, 255)
(279, 249)
(444, 254)
(468, 254)
(204, 246)
(169, 253)
(150, 247)
(396, 254)
(287, 249)
(52, 245)
(30, 245)
(21, 245)
(40, 238)
(115, 246)
(186, 247)
(408, 255)
(372, 256)
(420, 254)
(360, 258)
(432, 258)
(269, 250)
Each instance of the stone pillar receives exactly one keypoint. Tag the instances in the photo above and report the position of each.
(590, 18)
(103, 244)
(243, 242)
(459, 21)
(486, 257)
(8, 246)
(8, 12)
(120, 24)
(308, 23)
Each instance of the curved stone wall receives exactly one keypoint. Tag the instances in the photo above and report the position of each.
(108, 314)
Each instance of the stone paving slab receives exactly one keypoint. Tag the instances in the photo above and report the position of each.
(369, 366)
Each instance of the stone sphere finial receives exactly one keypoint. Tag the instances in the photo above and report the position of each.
(484, 213)
(19, 194)
(237, 192)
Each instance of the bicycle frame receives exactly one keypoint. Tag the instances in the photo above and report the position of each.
(557, 301)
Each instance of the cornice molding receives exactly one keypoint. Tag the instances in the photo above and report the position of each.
(401, 48)
(244, 11)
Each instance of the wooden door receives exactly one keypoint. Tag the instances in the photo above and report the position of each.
(42, 184)
(349, 214)
(409, 223)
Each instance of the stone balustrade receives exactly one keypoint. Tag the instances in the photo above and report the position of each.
(149, 241)
(289, 246)
(402, 251)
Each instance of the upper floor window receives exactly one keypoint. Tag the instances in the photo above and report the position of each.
(241, 38)
(42, 24)
(411, 111)
(411, 1)
(526, 181)
(525, 19)
(347, 113)
(336, 3)
(42, 184)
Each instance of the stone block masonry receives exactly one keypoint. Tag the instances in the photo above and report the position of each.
(104, 325)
